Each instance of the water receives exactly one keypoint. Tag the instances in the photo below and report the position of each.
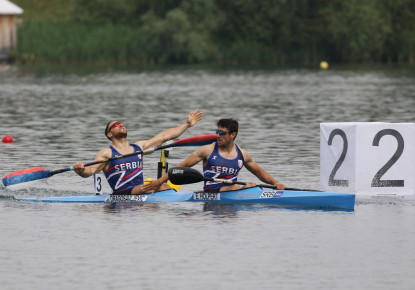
(57, 116)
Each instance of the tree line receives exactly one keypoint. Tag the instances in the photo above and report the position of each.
(299, 32)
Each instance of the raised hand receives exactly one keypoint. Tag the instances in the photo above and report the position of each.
(194, 117)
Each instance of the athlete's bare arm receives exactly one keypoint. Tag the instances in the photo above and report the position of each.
(171, 133)
(259, 172)
(91, 170)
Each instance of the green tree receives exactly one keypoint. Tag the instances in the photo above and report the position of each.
(400, 45)
(357, 30)
(183, 35)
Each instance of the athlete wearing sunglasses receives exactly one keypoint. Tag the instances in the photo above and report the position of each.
(125, 175)
(221, 132)
(224, 159)
(114, 125)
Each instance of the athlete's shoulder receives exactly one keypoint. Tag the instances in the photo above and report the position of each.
(207, 149)
(104, 153)
(203, 152)
(136, 146)
(245, 154)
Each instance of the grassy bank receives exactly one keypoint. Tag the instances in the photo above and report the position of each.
(299, 32)
(45, 10)
(44, 42)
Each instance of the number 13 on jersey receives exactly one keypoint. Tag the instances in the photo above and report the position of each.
(368, 159)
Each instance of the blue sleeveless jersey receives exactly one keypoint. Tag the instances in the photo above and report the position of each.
(125, 173)
(223, 168)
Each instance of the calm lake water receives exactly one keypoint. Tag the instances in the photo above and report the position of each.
(57, 116)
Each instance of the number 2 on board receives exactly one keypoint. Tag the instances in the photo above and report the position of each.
(376, 181)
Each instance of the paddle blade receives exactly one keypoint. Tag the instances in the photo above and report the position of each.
(184, 175)
(26, 175)
(195, 140)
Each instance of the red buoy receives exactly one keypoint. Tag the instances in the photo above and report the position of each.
(7, 139)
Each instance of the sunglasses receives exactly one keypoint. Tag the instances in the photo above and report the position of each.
(221, 132)
(115, 125)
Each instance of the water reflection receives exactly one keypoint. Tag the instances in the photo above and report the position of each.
(222, 209)
(7, 197)
(116, 208)
(232, 210)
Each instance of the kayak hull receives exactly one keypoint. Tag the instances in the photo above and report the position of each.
(255, 195)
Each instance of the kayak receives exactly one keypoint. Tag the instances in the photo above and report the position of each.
(253, 195)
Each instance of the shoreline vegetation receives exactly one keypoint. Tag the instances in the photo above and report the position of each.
(238, 32)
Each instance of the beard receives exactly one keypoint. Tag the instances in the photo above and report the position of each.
(121, 135)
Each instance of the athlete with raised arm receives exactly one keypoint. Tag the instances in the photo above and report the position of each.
(125, 175)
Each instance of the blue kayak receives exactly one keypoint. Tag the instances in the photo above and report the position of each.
(290, 198)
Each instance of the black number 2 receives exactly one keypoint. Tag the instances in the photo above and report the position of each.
(376, 182)
(332, 181)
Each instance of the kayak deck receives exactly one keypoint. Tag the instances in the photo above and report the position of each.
(313, 199)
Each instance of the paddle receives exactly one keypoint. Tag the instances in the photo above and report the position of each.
(186, 175)
(32, 174)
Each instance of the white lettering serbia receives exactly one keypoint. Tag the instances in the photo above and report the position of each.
(125, 173)
(222, 168)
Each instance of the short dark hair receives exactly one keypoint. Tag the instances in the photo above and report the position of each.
(231, 124)
(106, 130)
